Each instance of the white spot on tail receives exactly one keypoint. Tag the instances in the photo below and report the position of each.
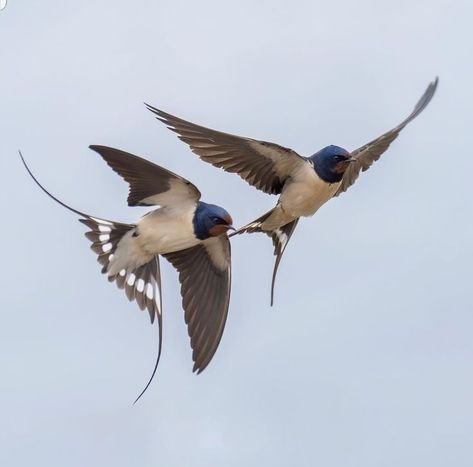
(140, 285)
(106, 247)
(131, 279)
(149, 291)
(282, 237)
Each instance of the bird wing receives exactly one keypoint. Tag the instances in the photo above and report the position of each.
(149, 183)
(142, 284)
(371, 152)
(266, 166)
(205, 277)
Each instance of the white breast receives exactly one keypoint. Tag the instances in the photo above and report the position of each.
(167, 230)
(306, 193)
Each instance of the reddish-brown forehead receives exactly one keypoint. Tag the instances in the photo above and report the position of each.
(228, 219)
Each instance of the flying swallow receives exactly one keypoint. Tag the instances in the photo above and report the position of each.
(190, 234)
(303, 183)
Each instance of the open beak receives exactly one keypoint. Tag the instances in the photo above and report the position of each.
(230, 227)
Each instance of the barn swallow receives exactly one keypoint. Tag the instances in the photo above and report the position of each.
(303, 183)
(190, 234)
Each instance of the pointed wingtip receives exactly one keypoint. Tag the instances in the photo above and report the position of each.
(97, 147)
(152, 109)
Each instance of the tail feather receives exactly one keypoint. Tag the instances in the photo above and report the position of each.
(280, 237)
(142, 283)
(139, 282)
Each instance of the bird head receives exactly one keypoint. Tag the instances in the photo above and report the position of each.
(331, 162)
(211, 221)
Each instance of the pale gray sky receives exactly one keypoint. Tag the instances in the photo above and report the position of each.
(366, 359)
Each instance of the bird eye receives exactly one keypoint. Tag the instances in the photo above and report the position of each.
(216, 220)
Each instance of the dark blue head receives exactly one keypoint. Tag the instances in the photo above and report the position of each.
(210, 221)
(331, 162)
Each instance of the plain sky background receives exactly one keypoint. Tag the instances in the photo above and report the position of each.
(366, 358)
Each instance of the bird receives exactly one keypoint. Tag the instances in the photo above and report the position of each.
(189, 233)
(303, 184)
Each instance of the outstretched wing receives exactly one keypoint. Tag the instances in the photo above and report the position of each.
(149, 183)
(205, 277)
(371, 152)
(142, 284)
(264, 165)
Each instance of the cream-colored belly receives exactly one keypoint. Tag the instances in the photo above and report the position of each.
(159, 232)
(162, 232)
(301, 197)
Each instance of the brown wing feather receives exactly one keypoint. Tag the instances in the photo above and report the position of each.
(264, 165)
(371, 152)
(205, 277)
(149, 183)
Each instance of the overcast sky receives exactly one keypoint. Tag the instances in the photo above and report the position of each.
(366, 357)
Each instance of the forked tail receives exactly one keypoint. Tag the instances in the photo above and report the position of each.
(142, 283)
(280, 237)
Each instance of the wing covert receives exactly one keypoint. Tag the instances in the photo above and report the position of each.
(149, 183)
(264, 165)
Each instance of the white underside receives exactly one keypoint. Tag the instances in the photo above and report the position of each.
(159, 232)
(301, 197)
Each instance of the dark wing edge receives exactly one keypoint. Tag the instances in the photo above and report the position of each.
(369, 153)
(264, 165)
(147, 180)
(205, 278)
(142, 284)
